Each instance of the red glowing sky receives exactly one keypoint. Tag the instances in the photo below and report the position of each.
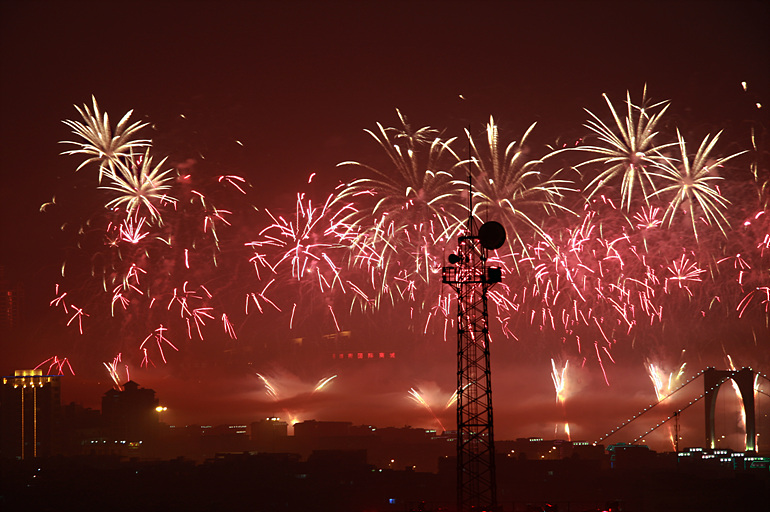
(296, 83)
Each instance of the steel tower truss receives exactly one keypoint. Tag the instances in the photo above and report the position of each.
(470, 277)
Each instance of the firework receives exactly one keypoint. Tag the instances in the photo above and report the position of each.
(139, 184)
(406, 215)
(560, 384)
(282, 387)
(152, 252)
(113, 368)
(268, 386)
(304, 256)
(692, 185)
(416, 396)
(628, 149)
(419, 189)
(56, 365)
(589, 271)
(509, 187)
(665, 383)
(102, 144)
(323, 383)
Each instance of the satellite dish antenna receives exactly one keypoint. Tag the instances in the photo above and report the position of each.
(492, 235)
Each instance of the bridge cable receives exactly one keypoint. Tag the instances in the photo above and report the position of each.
(680, 410)
(648, 408)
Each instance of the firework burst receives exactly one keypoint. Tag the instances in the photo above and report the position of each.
(628, 148)
(305, 254)
(588, 270)
(692, 185)
(510, 187)
(405, 217)
(102, 143)
(140, 185)
(151, 254)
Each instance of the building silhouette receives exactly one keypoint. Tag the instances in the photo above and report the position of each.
(81, 430)
(30, 413)
(129, 416)
(269, 434)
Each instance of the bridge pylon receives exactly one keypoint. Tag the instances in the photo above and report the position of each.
(712, 381)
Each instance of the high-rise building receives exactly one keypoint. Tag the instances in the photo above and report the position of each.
(312, 429)
(129, 415)
(269, 434)
(30, 413)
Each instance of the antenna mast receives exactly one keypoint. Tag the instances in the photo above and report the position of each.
(471, 278)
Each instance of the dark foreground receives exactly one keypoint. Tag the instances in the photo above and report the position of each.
(339, 481)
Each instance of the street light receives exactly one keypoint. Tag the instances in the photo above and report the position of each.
(160, 409)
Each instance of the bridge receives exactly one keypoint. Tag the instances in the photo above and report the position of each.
(746, 380)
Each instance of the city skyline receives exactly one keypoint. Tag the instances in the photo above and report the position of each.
(279, 96)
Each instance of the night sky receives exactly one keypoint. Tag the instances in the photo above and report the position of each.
(276, 91)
